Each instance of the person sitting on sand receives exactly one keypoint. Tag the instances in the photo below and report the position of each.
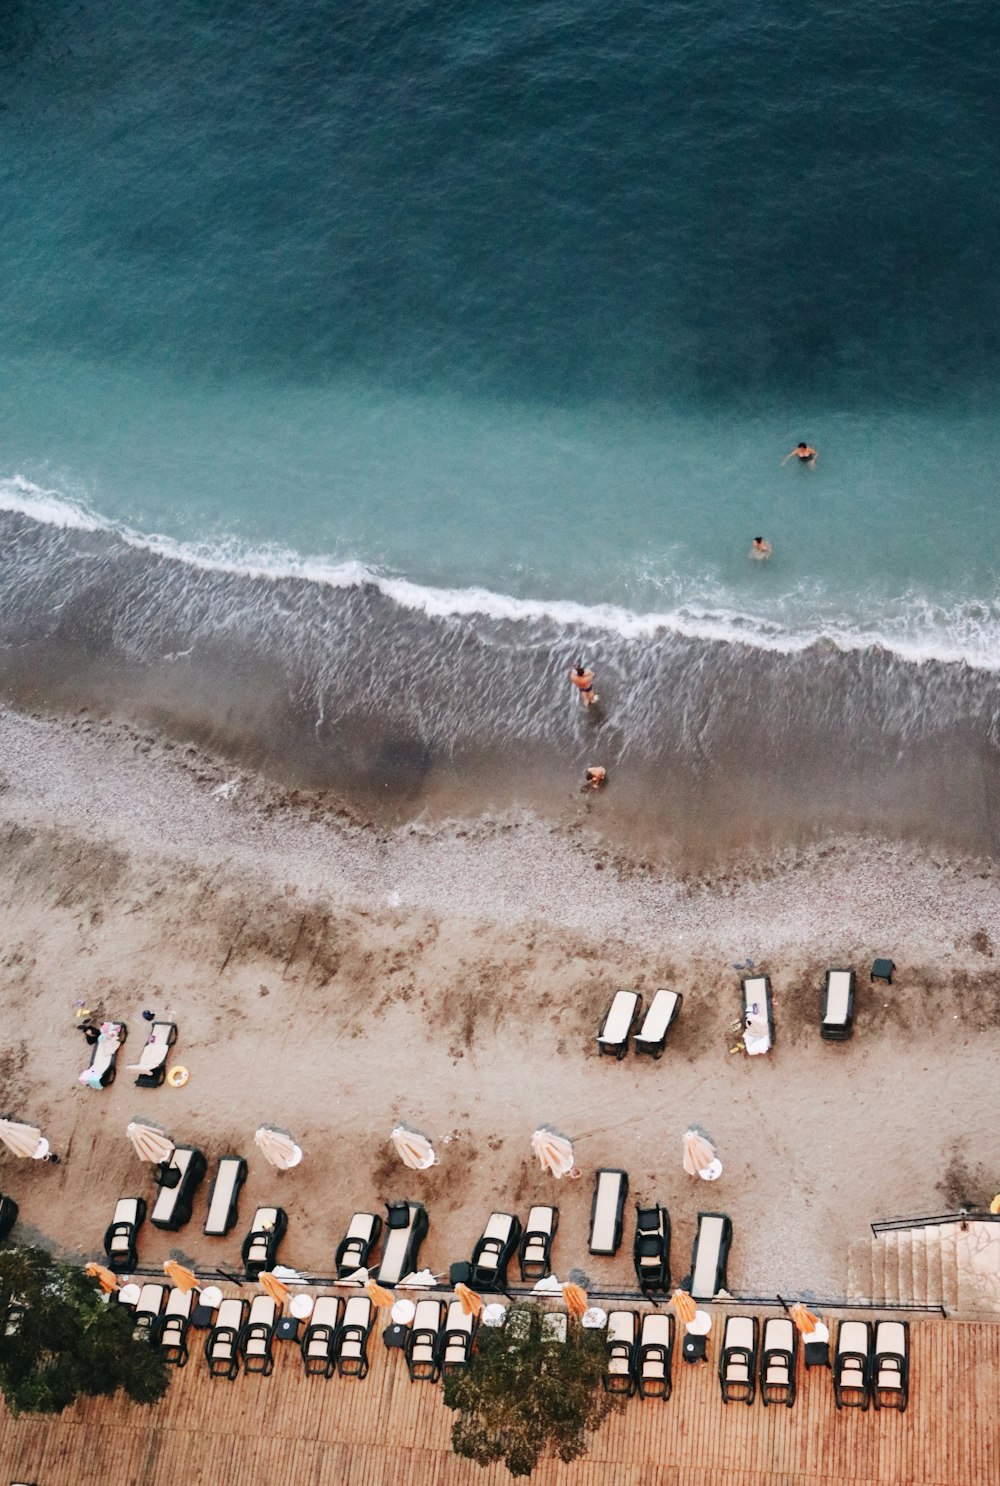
(760, 549)
(595, 777)
(806, 456)
(583, 679)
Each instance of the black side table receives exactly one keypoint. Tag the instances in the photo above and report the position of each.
(201, 1317)
(816, 1354)
(882, 970)
(395, 1335)
(287, 1329)
(695, 1348)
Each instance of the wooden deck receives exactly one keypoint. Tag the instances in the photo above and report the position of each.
(287, 1430)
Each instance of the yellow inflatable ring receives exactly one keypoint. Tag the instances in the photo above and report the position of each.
(178, 1077)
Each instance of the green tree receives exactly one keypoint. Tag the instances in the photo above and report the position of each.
(524, 1395)
(59, 1339)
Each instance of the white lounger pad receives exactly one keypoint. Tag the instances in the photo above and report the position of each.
(658, 1016)
(838, 998)
(619, 1018)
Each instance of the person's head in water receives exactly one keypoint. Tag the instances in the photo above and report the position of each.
(802, 444)
(580, 668)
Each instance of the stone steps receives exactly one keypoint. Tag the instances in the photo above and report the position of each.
(941, 1264)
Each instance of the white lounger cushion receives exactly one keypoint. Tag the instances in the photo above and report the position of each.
(126, 1210)
(757, 1032)
(361, 1226)
(179, 1302)
(619, 1018)
(358, 1311)
(167, 1197)
(499, 1227)
(890, 1336)
(457, 1320)
(655, 1330)
(838, 998)
(222, 1194)
(621, 1327)
(779, 1335)
(230, 1313)
(394, 1252)
(155, 1051)
(325, 1311)
(264, 1220)
(710, 1233)
(609, 1185)
(262, 1310)
(427, 1315)
(540, 1220)
(738, 1333)
(658, 1016)
(150, 1301)
(852, 1337)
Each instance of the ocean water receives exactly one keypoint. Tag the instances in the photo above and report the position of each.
(361, 366)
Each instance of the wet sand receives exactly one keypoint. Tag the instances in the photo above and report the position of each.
(336, 977)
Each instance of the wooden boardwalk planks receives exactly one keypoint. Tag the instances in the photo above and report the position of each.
(289, 1430)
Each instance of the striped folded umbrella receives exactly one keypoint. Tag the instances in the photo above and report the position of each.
(684, 1306)
(23, 1140)
(699, 1152)
(149, 1142)
(804, 1319)
(278, 1147)
(104, 1277)
(576, 1300)
(554, 1152)
(379, 1296)
(472, 1304)
(178, 1274)
(413, 1149)
(272, 1286)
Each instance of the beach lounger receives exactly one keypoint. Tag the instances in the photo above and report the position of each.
(171, 1337)
(709, 1256)
(651, 1248)
(662, 1012)
(257, 1340)
(355, 1249)
(260, 1247)
(619, 1375)
(152, 1064)
(351, 1346)
(406, 1224)
(738, 1360)
(104, 1056)
(606, 1209)
(535, 1252)
(175, 1198)
(423, 1342)
(222, 1348)
(494, 1251)
(852, 1365)
(891, 1366)
(778, 1356)
(224, 1197)
(654, 1357)
(146, 1316)
(8, 1216)
(621, 1017)
(758, 1015)
(455, 1347)
(838, 1006)
(121, 1234)
(555, 1326)
(319, 1343)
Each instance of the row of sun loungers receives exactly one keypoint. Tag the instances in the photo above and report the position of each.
(870, 1364)
(151, 1068)
(622, 1019)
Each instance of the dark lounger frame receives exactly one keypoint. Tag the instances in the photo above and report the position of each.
(722, 1259)
(620, 1212)
(121, 1263)
(893, 1399)
(843, 1401)
(176, 1202)
(493, 1278)
(652, 1241)
(619, 1049)
(655, 1047)
(418, 1226)
(838, 1031)
(656, 1388)
(154, 1080)
(227, 1367)
(767, 1003)
(365, 1247)
(739, 1392)
(253, 1268)
(236, 1186)
(538, 1269)
(779, 1392)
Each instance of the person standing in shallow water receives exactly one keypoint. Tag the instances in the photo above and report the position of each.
(804, 453)
(583, 680)
(760, 550)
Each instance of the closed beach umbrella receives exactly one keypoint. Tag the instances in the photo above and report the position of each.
(149, 1141)
(414, 1150)
(107, 1281)
(804, 1319)
(23, 1140)
(278, 1147)
(551, 1285)
(272, 1286)
(379, 1296)
(684, 1306)
(356, 1277)
(418, 1279)
(554, 1152)
(178, 1274)
(472, 1304)
(576, 1300)
(699, 1152)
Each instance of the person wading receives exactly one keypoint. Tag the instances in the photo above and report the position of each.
(584, 681)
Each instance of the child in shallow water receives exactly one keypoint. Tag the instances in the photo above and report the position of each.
(760, 550)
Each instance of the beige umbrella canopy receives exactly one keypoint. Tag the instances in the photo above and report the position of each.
(804, 1319)
(278, 1147)
(272, 1286)
(684, 1307)
(415, 1151)
(699, 1152)
(149, 1141)
(185, 1279)
(380, 1297)
(472, 1304)
(554, 1152)
(23, 1140)
(576, 1300)
(104, 1277)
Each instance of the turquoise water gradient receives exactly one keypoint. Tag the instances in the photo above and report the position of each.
(531, 298)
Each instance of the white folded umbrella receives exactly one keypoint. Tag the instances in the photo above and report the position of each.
(413, 1149)
(554, 1152)
(421, 1279)
(149, 1141)
(699, 1152)
(23, 1140)
(549, 1286)
(278, 1147)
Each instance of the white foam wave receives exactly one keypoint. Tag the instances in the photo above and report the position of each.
(917, 631)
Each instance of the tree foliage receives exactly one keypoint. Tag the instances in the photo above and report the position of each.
(59, 1339)
(524, 1395)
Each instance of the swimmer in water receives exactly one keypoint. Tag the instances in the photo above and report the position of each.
(806, 456)
(760, 550)
(584, 681)
(596, 777)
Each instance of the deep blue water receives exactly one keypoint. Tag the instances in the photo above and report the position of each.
(514, 308)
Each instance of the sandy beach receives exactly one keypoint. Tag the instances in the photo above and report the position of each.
(335, 978)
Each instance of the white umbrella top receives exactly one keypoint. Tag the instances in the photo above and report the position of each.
(23, 1140)
(149, 1141)
(554, 1152)
(278, 1147)
(415, 1151)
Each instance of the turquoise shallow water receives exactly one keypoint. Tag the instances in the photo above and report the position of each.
(505, 316)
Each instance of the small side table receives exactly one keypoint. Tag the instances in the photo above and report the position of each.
(695, 1348)
(460, 1274)
(882, 970)
(395, 1336)
(201, 1317)
(816, 1354)
(287, 1329)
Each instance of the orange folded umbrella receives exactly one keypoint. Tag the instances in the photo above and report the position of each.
(272, 1286)
(104, 1277)
(472, 1303)
(684, 1306)
(576, 1300)
(804, 1319)
(179, 1275)
(379, 1295)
